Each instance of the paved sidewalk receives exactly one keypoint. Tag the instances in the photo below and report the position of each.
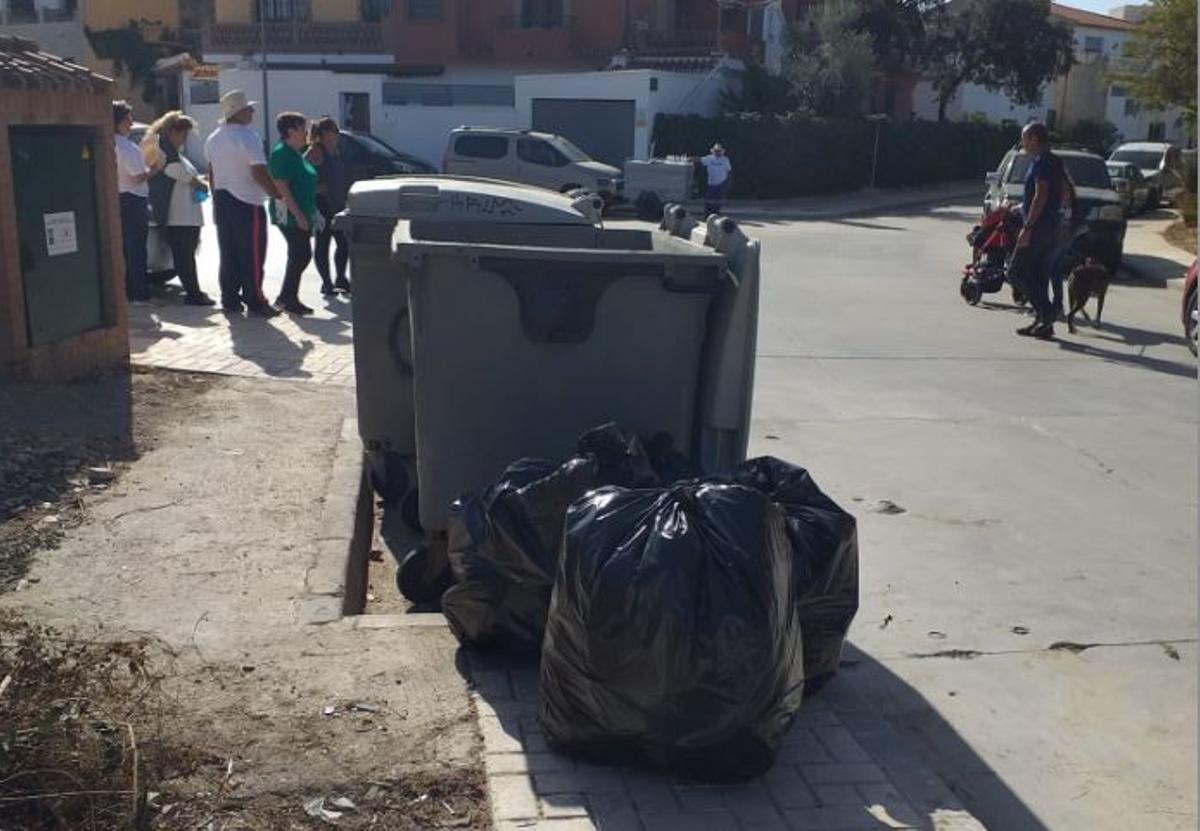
(173, 336)
(841, 768)
(1148, 255)
(167, 334)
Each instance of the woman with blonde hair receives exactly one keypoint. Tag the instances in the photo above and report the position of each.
(175, 197)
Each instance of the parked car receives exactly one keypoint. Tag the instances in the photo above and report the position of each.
(1162, 165)
(1102, 207)
(368, 157)
(1128, 181)
(540, 159)
(1191, 315)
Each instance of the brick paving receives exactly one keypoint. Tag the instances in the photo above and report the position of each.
(841, 768)
(318, 349)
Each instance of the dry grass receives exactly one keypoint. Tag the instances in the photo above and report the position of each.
(82, 726)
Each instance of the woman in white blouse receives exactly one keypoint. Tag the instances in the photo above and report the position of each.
(175, 198)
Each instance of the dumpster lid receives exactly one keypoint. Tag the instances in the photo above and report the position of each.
(466, 198)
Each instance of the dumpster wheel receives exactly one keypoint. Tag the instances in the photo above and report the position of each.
(410, 511)
(424, 574)
(389, 477)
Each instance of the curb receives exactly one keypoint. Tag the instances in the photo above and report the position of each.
(1140, 273)
(335, 583)
(801, 214)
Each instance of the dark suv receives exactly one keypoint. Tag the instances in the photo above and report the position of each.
(367, 157)
(1101, 205)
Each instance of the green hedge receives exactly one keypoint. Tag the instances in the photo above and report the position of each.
(793, 155)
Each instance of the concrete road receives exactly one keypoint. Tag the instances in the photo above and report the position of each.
(1030, 619)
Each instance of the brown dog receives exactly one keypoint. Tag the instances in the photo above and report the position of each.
(1087, 281)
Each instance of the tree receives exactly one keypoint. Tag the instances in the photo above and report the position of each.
(759, 92)
(896, 28)
(829, 63)
(1008, 45)
(133, 55)
(1162, 59)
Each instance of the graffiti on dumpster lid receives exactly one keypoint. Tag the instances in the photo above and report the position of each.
(479, 205)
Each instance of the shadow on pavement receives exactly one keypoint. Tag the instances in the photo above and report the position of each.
(918, 725)
(506, 683)
(870, 226)
(259, 342)
(1148, 271)
(1177, 368)
(335, 331)
(1130, 335)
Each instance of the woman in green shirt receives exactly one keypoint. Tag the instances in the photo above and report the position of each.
(296, 216)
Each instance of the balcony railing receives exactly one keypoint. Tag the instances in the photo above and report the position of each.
(692, 42)
(295, 37)
(528, 21)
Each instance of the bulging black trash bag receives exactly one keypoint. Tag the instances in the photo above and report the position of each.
(503, 548)
(824, 540)
(673, 634)
(504, 543)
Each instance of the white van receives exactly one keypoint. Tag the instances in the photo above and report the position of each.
(539, 159)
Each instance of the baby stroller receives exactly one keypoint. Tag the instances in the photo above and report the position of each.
(992, 242)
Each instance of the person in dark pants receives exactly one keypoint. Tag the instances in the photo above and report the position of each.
(719, 170)
(332, 188)
(1038, 241)
(240, 182)
(175, 196)
(133, 174)
(295, 211)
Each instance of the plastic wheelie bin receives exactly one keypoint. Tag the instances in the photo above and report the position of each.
(524, 336)
(382, 341)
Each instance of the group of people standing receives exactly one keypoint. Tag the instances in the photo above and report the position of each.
(303, 180)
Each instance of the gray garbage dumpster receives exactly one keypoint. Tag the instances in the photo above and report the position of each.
(526, 336)
(382, 341)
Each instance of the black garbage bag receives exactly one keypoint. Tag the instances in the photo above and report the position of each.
(824, 541)
(630, 461)
(503, 544)
(503, 549)
(673, 634)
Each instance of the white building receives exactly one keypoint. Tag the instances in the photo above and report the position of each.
(415, 114)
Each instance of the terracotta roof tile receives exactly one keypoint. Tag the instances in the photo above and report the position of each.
(22, 66)
(1079, 17)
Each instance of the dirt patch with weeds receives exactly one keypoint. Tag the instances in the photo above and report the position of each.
(61, 443)
(92, 737)
(116, 719)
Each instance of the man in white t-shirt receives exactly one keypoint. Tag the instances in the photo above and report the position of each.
(134, 194)
(237, 166)
(719, 170)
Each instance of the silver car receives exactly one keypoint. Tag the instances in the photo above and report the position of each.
(1161, 164)
(541, 159)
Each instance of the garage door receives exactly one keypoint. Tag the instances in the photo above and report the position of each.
(603, 129)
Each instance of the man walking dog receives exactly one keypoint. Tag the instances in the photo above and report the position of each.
(1042, 211)
(240, 181)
